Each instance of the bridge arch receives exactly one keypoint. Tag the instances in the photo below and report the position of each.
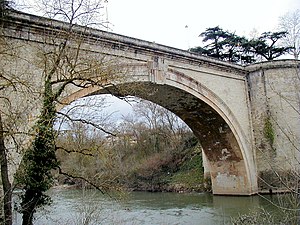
(230, 163)
(239, 98)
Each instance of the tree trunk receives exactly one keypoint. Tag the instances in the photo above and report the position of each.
(7, 203)
(39, 160)
(31, 199)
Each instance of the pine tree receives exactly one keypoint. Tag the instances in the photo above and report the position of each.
(265, 45)
(230, 47)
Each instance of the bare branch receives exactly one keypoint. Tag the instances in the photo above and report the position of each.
(82, 178)
(86, 122)
(81, 151)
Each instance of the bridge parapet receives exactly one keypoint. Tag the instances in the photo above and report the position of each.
(226, 105)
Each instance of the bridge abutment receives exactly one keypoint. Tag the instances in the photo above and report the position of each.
(275, 109)
(229, 178)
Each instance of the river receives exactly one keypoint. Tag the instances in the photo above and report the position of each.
(78, 206)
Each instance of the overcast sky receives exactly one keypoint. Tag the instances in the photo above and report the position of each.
(178, 23)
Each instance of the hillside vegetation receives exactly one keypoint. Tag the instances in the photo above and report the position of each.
(158, 154)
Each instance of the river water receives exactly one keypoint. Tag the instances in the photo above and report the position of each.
(80, 207)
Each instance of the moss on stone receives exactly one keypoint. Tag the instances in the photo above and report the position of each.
(269, 131)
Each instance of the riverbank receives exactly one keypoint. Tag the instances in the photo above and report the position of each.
(178, 173)
(167, 169)
(187, 177)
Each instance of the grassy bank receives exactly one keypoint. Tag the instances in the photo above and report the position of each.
(181, 172)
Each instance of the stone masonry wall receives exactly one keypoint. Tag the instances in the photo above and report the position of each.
(275, 109)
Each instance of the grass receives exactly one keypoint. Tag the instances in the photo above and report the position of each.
(190, 173)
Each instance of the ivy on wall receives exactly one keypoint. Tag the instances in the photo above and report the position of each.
(269, 131)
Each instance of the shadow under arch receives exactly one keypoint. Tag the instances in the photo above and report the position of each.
(229, 158)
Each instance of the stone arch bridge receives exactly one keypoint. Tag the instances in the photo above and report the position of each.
(226, 105)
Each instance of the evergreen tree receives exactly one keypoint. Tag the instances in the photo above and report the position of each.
(230, 47)
(265, 45)
(216, 36)
(40, 160)
(225, 45)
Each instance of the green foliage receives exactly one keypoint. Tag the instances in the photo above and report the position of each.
(190, 172)
(269, 131)
(39, 160)
(224, 45)
(230, 47)
(216, 36)
(177, 170)
(265, 45)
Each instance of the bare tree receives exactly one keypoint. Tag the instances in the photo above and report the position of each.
(290, 22)
(156, 116)
(63, 63)
(9, 83)
(6, 185)
(7, 190)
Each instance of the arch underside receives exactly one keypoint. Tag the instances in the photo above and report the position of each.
(227, 164)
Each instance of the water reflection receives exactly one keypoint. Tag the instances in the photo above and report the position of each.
(77, 207)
